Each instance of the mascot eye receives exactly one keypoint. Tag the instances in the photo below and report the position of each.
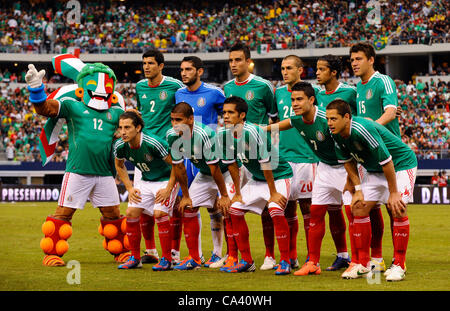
(109, 84)
(93, 82)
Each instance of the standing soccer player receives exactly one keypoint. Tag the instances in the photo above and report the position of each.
(328, 71)
(268, 186)
(376, 100)
(206, 101)
(155, 96)
(299, 155)
(196, 141)
(154, 194)
(391, 172)
(329, 181)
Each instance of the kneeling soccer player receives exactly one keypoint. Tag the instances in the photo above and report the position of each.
(391, 172)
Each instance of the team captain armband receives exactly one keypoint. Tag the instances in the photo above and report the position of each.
(37, 95)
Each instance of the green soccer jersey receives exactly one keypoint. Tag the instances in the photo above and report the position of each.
(259, 95)
(198, 146)
(91, 134)
(292, 146)
(252, 149)
(318, 136)
(344, 91)
(372, 145)
(149, 157)
(156, 102)
(374, 96)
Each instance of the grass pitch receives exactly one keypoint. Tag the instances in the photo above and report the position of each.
(428, 258)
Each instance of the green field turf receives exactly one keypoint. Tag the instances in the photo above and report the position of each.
(428, 258)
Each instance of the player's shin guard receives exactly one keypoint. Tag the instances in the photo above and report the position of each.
(114, 232)
(348, 212)
(337, 227)
(191, 232)
(376, 219)
(306, 226)
(54, 244)
(176, 228)
(133, 236)
(281, 231)
(316, 231)
(362, 234)
(268, 233)
(241, 233)
(164, 236)
(293, 231)
(401, 238)
(217, 231)
(148, 230)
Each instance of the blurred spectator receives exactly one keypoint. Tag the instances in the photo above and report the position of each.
(435, 178)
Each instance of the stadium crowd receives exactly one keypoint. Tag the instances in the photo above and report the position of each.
(283, 24)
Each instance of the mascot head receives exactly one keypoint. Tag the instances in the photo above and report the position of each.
(96, 84)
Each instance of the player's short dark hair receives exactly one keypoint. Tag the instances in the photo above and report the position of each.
(184, 108)
(241, 47)
(341, 106)
(159, 57)
(334, 63)
(297, 60)
(365, 47)
(134, 116)
(306, 88)
(195, 61)
(240, 104)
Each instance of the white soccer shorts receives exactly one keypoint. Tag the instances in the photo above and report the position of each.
(375, 186)
(328, 185)
(302, 181)
(149, 189)
(255, 195)
(76, 189)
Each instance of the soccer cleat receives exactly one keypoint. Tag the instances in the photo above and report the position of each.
(230, 262)
(150, 256)
(243, 266)
(188, 264)
(358, 271)
(389, 270)
(294, 263)
(338, 264)
(309, 268)
(347, 271)
(175, 257)
(396, 274)
(269, 263)
(219, 263)
(162, 265)
(214, 258)
(284, 268)
(132, 263)
(202, 259)
(377, 266)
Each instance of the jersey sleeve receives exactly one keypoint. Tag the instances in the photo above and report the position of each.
(269, 99)
(257, 144)
(220, 98)
(369, 136)
(159, 147)
(209, 149)
(118, 150)
(225, 147)
(64, 108)
(175, 145)
(388, 92)
(342, 153)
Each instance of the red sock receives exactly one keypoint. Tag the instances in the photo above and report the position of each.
(176, 228)
(401, 237)
(241, 233)
(232, 249)
(268, 233)
(376, 219)
(281, 232)
(306, 219)
(316, 231)
(293, 231)
(164, 236)
(191, 232)
(348, 212)
(363, 234)
(337, 227)
(148, 230)
(134, 236)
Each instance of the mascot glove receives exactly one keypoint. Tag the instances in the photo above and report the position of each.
(33, 77)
